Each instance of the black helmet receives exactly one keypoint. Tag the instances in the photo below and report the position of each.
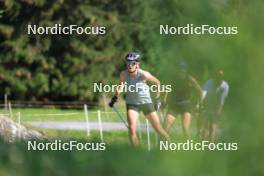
(133, 56)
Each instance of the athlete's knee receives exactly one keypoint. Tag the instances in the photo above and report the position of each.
(132, 130)
(170, 118)
(213, 128)
(186, 115)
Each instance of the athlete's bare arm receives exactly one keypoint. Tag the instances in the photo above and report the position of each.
(149, 77)
(196, 85)
(121, 85)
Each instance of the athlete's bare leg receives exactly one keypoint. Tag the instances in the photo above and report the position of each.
(186, 123)
(205, 130)
(169, 120)
(199, 124)
(132, 117)
(213, 128)
(155, 122)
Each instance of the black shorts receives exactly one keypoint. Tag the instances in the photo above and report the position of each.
(180, 107)
(145, 108)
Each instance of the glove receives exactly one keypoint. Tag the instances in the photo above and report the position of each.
(113, 101)
(157, 104)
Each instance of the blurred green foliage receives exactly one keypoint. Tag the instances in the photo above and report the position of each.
(60, 67)
(63, 67)
(123, 160)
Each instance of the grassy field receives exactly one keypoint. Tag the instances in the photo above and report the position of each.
(110, 138)
(67, 115)
(55, 114)
(120, 158)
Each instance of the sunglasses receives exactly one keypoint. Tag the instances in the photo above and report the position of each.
(133, 63)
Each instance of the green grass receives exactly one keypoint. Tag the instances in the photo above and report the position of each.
(120, 159)
(110, 138)
(56, 114)
(114, 137)
(120, 137)
(53, 114)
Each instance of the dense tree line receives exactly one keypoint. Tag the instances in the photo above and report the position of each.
(63, 67)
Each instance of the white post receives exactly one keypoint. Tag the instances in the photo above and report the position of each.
(100, 125)
(10, 109)
(19, 123)
(6, 106)
(86, 116)
(156, 140)
(148, 135)
(105, 105)
(139, 128)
